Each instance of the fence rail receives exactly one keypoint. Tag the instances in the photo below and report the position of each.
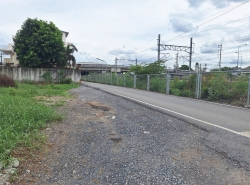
(227, 87)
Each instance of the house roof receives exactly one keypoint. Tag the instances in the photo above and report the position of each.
(66, 33)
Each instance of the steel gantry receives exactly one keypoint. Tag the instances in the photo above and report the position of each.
(124, 60)
(187, 49)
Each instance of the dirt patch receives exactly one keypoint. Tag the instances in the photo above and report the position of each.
(97, 105)
(34, 164)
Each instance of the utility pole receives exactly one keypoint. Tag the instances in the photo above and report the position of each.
(190, 53)
(220, 49)
(159, 45)
(205, 67)
(136, 61)
(116, 65)
(177, 65)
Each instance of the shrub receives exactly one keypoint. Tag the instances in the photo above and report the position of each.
(6, 81)
(66, 81)
(47, 77)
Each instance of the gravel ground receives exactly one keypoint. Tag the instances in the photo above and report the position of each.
(106, 139)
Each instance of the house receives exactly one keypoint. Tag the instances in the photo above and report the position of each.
(13, 58)
(12, 61)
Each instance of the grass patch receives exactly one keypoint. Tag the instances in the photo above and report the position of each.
(21, 117)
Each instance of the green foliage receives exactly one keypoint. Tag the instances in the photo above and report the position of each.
(183, 86)
(156, 67)
(184, 67)
(47, 77)
(66, 81)
(62, 79)
(39, 44)
(69, 52)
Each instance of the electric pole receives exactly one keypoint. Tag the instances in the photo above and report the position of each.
(177, 64)
(219, 50)
(159, 45)
(116, 65)
(190, 53)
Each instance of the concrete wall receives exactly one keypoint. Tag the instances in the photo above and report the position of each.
(35, 74)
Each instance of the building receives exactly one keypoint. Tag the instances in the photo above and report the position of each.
(12, 61)
(13, 58)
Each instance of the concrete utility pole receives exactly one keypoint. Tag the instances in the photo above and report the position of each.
(190, 53)
(116, 65)
(177, 64)
(159, 45)
(239, 52)
(220, 50)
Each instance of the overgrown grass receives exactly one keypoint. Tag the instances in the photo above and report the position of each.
(21, 116)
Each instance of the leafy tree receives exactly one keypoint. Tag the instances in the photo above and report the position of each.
(39, 44)
(184, 67)
(156, 67)
(69, 52)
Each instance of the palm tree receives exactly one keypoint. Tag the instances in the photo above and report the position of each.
(69, 52)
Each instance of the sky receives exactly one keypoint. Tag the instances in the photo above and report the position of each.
(129, 29)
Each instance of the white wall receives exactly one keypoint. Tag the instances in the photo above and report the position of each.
(35, 74)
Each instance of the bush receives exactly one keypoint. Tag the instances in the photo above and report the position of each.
(47, 77)
(6, 81)
(66, 81)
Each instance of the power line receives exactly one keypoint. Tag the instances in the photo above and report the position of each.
(225, 34)
(192, 23)
(212, 28)
(211, 19)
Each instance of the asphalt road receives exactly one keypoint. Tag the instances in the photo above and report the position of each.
(207, 115)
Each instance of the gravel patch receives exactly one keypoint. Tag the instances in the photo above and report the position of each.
(110, 140)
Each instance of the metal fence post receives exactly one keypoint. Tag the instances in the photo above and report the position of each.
(248, 94)
(134, 81)
(148, 82)
(117, 79)
(167, 83)
(124, 81)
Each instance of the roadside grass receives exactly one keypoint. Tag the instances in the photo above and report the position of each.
(22, 116)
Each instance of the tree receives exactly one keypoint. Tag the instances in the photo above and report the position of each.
(184, 67)
(156, 67)
(69, 52)
(39, 44)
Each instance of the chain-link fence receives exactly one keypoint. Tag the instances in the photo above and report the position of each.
(230, 87)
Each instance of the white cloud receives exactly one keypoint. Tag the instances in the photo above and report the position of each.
(101, 29)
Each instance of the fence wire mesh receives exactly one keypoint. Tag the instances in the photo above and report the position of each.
(222, 87)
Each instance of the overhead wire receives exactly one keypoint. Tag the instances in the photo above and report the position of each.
(191, 23)
(210, 20)
(212, 28)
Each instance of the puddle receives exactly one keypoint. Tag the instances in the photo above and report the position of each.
(99, 107)
(117, 140)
